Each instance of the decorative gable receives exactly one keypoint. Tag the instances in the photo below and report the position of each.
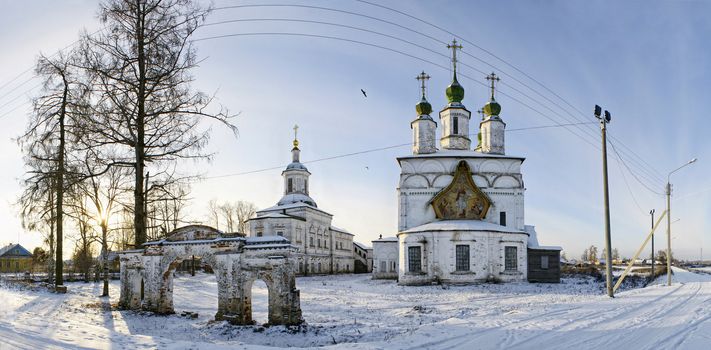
(461, 199)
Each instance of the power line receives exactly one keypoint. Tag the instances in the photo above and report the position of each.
(364, 152)
(586, 131)
(503, 71)
(402, 40)
(633, 174)
(624, 177)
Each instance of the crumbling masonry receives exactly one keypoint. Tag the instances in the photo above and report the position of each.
(147, 274)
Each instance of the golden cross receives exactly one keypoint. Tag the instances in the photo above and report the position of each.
(493, 78)
(422, 78)
(454, 48)
(296, 129)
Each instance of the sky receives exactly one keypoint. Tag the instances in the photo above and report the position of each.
(647, 62)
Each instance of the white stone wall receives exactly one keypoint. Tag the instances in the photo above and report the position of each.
(424, 136)
(459, 140)
(492, 136)
(385, 259)
(318, 245)
(486, 257)
(421, 178)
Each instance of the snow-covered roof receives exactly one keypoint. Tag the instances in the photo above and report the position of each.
(194, 241)
(453, 153)
(334, 228)
(279, 207)
(385, 240)
(533, 240)
(265, 239)
(362, 246)
(462, 225)
(277, 215)
(297, 198)
(296, 166)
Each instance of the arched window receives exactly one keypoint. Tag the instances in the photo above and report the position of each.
(290, 185)
(455, 125)
(319, 267)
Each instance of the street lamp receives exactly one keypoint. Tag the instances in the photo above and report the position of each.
(669, 279)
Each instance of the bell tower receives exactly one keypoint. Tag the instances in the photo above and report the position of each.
(492, 128)
(424, 129)
(454, 118)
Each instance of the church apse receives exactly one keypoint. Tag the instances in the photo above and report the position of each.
(461, 199)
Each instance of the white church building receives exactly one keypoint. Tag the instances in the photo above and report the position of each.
(461, 210)
(322, 247)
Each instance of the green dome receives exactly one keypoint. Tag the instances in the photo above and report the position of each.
(492, 108)
(455, 92)
(424, 107)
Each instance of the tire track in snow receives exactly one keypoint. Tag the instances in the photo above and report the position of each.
(600, 318)
(450, 343)
(624, 315)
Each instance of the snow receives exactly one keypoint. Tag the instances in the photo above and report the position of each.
(355, 312)
(462, 225)
(459, 154)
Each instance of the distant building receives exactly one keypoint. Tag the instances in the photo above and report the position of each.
(363, 258)
(15, 258)
(322, 247)
(385, 258)
(461, 205)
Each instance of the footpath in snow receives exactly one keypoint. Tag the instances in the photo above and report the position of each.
(355, 312)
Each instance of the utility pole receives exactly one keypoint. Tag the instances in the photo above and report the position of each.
(669, 187)
(608, 249)
(669, 279)
(652, 213)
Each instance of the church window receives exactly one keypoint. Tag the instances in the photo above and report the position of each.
(393, 267)
(462, 257)
(414, 257)
(510, 263)
(319, 242)
(544, 262)
(382, 266)
(337, 267)
(280, 233)
(290, 185)
(502, 218)
(259, 233)
(455, 125)
(311, 241)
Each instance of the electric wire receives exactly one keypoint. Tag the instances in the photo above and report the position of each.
(642, 168)
(633, 174)
(344, 155)
(441, 42)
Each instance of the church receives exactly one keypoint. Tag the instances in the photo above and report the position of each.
(322, 247)
(461, 210)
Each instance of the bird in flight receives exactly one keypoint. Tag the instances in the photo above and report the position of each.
(363, 91)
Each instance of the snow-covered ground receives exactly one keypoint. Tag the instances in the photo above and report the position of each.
(355, 312)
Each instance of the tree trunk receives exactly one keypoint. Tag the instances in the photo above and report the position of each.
(59, 266)
(105, 260)
(139, 220)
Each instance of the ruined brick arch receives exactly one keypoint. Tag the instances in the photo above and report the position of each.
(236, 262)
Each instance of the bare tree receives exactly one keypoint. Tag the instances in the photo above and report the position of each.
(145, 105)
(234, 215)
(165, 207)
(229, 213)
(245, 211)
(213, 213)
(50, 133)
(103, 193)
